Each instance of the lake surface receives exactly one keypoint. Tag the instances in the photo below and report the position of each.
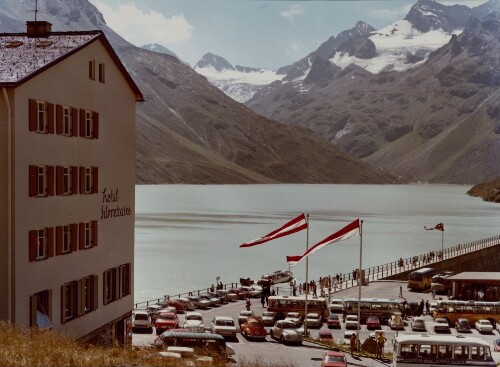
(187, 235)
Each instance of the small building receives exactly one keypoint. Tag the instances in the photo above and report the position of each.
(475, 285)
(67, 183)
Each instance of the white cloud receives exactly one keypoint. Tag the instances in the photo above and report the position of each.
(292, 12)
(140, 27)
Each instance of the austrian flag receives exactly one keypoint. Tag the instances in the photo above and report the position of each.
(439, 227)
(345, 233)
(295, 225)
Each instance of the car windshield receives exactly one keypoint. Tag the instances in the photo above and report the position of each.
(287, 325)
(373, 318)
(270, 314)
(141, 316)
(335, 359)
(255, 323)
(441, 321)
(193, 317)
(246, 313)
(224, 322)
(292, 315)
(167, 317)
(313, 316)
(333, 317)
(484, 322)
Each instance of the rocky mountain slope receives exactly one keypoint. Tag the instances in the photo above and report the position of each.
(190, 132)
(438, 121)
(488, 191)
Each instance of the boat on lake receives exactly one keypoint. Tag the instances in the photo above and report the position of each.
(279, 276)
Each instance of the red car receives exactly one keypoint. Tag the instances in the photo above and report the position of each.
(372, 322)
(166, 321)
(178, 306)
(242, 293)
(333, 321)
(334, 359)
(253, 328)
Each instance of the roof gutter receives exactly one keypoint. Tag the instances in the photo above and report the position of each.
(9, 205)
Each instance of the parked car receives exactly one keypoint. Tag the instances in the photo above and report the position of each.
(243, 316)
(351, 322)
(269, 318)
(334, 359)
(484, 326)
(313, 320)
(286, 332)
(212, 301)
(178, 306)
(198, 302)
(230, 297)
(325, 335)
(253, 328)
(294, 317)
(372, 322)
(225, 326)
(153, 311)
(336, 305)
(166, 321)
(333, 321)
(396, 322)
(462, 325)
(188, 305)
(141, 320)
(193, 321)
(169, 309)
(496, 345)
(418, 324)
(441, 324)
(255, 290)
(241, 293)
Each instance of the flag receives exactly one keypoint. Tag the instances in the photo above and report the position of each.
(439, 227)
(292, 260)
(345, 233)
(295, 225)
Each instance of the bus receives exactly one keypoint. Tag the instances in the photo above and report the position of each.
(426, 350)
(284, 304)
(441, 284)
(471, 310)
(421, 279)
(383, 308)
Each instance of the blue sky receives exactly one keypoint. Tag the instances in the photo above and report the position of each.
(256, 33)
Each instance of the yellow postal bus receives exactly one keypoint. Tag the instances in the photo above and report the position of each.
(421, 279)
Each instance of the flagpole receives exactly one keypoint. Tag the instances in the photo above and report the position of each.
(360, 272)
(442, 251)
(307, 274)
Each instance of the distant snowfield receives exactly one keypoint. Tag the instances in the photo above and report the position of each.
(393, 43)
(261, 77)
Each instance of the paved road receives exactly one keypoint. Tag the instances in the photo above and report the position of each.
(310, 354)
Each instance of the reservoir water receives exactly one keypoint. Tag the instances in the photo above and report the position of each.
(187, 235)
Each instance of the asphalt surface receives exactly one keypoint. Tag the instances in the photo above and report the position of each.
(309, 354)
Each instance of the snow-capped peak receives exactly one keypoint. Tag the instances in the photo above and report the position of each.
(214, 61)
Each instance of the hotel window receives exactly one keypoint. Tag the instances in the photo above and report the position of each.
(79, 297)
(89, 180)
(89, 293)
(109, 286)
(124, 274)
(116, 283)
(41, 117)
(92, 69)
(69, 301)
(66, 239)
(89, 124)
(41, 309)
(101, 72)
(88, 233)
(66, 180)
(41, 181)
(41, 244)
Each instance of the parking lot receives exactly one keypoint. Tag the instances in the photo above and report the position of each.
(310, 354)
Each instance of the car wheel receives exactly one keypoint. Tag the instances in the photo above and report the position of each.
(282, 340)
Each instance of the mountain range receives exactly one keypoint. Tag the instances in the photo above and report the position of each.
(188, 131)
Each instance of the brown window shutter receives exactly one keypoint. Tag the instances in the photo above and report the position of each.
(82, 180)
(74, 237)
(79, 299)
(95, 232)
(59, 180)
(127, 279)
(116, 283)
(104, 287)
(59, 119)
(33, 304)
(95, 290)
(33, 239)
(74, 180)
(59, 240)
(95, 180)
(63, 304)
(50, 242)
(95, 125)
(81, 233)
(50, 180)
(33, 180)
(50, 118)
(32, 115)
(74, 122)
(49, 309)
(82, 123)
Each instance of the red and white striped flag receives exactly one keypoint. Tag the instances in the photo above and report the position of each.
(439, 227)
(295, 225)
(345, 233)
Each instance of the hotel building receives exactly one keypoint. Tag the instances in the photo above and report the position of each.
(67, 151)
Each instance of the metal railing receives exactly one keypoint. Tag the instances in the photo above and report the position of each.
(378, 272)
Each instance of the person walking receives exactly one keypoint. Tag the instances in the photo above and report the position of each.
(354, 341)
(381, 339)
(400, 292)
(427, 308)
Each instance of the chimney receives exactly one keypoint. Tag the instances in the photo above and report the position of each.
(40, 28)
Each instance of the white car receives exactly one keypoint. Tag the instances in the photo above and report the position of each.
(225, 326)
(294, 317)
(255, 290)
(484, 326)
(313, 320)
(351, 322)
(141, 320)
(243, 316)
(286, 332)
(441, 324)
(193, 321)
